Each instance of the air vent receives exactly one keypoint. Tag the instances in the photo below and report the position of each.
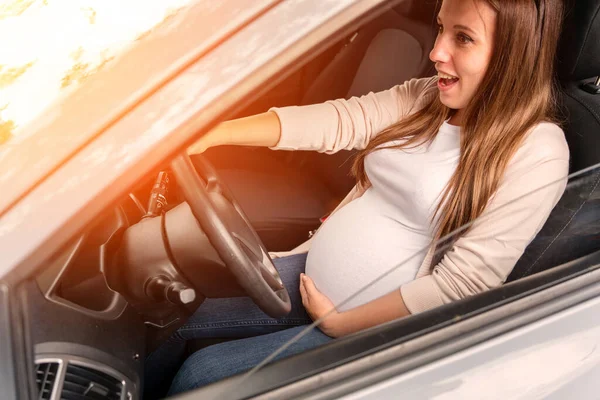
(45, 377)
(83, 383)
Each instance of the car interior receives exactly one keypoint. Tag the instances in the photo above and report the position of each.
(91, 321)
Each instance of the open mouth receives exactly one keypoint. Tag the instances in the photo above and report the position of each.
(445, 81)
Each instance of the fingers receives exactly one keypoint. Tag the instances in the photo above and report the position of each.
(303, 292)
(309, 285)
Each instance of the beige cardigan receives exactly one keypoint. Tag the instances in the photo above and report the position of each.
(484, 256)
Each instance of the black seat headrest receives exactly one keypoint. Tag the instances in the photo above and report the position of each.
(579, 46)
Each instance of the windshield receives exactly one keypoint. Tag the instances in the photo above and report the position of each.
(51, 46)
(571, 232)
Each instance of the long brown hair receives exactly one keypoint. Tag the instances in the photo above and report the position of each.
(517, 92)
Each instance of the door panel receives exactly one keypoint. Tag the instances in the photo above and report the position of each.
(555, 358)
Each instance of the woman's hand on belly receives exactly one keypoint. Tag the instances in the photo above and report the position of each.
(336, 324)
(319, 306)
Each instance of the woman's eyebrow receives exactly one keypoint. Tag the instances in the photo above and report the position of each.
(458, 26)
(465, 28)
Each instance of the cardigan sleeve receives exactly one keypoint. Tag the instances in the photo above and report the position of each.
(350, 124)
(483, 257)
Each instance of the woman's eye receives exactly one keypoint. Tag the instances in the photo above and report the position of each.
(463, 39)
(440, 29)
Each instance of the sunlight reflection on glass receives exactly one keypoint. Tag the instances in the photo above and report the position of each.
(50, 45)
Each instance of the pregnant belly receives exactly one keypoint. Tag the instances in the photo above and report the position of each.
(359, 244)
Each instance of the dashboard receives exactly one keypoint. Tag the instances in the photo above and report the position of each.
(88, 340)
(92, 315)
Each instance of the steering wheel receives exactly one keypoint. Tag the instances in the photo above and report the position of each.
(231, 234)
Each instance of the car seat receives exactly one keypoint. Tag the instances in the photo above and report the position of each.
(359, 69)
(572, 229)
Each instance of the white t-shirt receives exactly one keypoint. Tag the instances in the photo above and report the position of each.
(387, 225)
(482, 257)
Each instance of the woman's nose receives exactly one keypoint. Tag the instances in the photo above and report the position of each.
(440, 52)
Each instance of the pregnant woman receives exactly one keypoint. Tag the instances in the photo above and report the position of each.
(436, 154)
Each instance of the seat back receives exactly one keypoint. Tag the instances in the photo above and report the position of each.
(572, 229)
(387, 51)
(349, 75)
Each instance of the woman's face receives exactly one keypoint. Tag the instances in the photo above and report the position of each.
(463, 49)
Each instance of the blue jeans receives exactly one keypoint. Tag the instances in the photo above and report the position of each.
(235, 318)
(222, 360)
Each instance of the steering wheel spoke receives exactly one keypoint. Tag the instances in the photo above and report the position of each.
(252, 250)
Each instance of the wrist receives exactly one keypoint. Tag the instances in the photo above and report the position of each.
(213, 138)
(333, 325)
(221, 135)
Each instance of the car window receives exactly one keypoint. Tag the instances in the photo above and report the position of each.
(42, 56)
(569, 233)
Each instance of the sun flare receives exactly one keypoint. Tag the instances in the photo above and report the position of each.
(48, 45)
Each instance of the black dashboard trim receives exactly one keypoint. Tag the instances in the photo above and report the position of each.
(15, 346)
(49, 279)
(7, 369)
